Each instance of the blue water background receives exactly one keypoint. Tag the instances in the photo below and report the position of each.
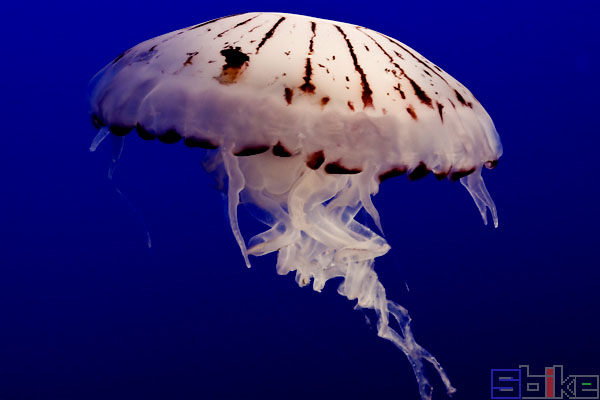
(87, 312)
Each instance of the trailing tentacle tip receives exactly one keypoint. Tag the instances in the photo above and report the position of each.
(99, 138)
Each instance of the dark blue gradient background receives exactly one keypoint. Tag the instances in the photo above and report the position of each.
(87, 312)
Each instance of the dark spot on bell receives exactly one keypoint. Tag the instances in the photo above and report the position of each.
(119, 130)
(399, 89)
(143, 133)
(420, 171)
(280, 151)
(97, 122)
(347, 79)
(351, 106)
(269, 34)
(315, 160)
(337, 168)
(456, 175)
(420, 93)
(171, 136)
(289, 93)
(324, 101)
(235, 60)
(440, 108)
(151, 49)
(201, 143)
(251, 151)
(119, 57)
(412, 112)
(208, 22)
(491, 164)
(307, 87)
(189, 59)
(462, 99)
(252, 30)
(367, 93)
(397, 171)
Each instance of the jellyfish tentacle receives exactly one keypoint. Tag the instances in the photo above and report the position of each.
(401, 315)
(361, 283)
(325, 223)
(312, 227)
(99, 138)
(212, 162)
(271, 240)
(347, 196)
(136, 213)
(118, 145)
(234, 186)
(476, 187)
(306, 210)
(281, 233)
(368, 186)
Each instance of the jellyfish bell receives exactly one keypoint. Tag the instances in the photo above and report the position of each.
(304, 118)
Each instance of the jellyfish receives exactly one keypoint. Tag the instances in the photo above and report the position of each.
(302, 118)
